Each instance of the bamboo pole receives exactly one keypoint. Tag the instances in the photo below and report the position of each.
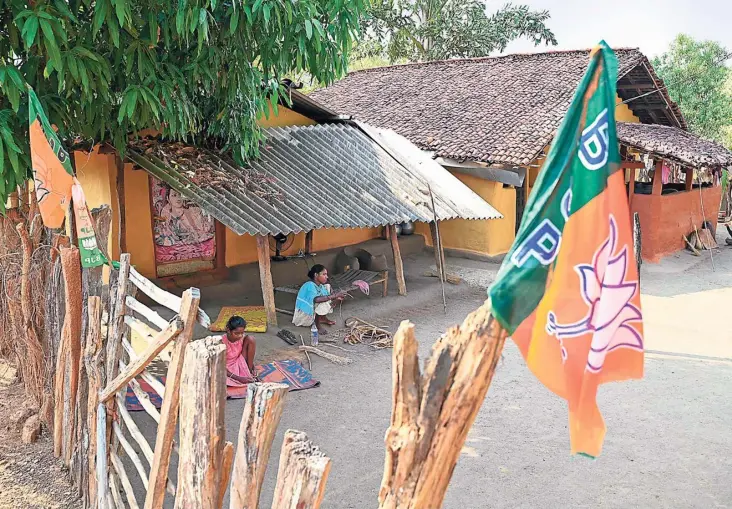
(262, 413)
(433, 412)
(302, 475)
(202, 426)
(169, 410)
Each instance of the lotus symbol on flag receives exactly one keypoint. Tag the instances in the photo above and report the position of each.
(607, 293)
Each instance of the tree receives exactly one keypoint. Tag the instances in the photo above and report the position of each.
(197, 70)
(426, 30)
(698, 79)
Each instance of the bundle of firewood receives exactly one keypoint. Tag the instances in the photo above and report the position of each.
(700, 240)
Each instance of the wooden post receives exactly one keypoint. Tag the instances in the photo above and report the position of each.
(302, 474)
(262, 413)
(309, 242)
(432, 413)
(439, 251)
(169, 410)
(202, 427)
(631, 185)
(227, 461)
(121, 209)
(102, 455)
(398, 264)
(71, 338)
(95, 375)
(265, 277)
(117, 317)
(689, 179)
(657, 178)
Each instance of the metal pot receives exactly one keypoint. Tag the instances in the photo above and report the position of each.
(407, 228)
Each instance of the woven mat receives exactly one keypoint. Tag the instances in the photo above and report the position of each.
(255, 316)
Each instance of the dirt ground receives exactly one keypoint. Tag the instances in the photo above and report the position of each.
(668, 443)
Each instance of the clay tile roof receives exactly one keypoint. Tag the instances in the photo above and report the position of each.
(501, 110)
(675, 144)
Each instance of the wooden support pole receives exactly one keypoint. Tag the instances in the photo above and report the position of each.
(631, 185)
(116, 317)
(169, 410)
(657, 186)
(160, 341)
(439, 251)
(398, 264)
(689, 179)
(309, 242)
(302, 475)
(265, 278)
(262, 413)
(432, 413)
(202, 427)
(121, 208)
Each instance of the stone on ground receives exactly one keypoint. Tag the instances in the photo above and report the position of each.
(31, 430)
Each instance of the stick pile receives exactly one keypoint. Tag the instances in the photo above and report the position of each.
(362, 332)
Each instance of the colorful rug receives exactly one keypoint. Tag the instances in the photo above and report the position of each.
(133, 404)
(287, 371)
(255, 316)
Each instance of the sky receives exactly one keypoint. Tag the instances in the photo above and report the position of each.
(646, 24)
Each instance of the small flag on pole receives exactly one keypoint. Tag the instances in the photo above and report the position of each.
(55, 184)
(52, 172)
(568, 290)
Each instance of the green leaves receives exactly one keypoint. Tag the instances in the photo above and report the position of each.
(198, 70)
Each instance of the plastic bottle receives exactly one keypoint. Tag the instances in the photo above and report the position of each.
(314, 335)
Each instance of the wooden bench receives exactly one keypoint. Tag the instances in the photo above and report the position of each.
(344, 282)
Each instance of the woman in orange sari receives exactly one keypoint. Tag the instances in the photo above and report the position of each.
(240, 349)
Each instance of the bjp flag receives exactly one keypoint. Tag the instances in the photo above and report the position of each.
(52, 172)
(568, 290)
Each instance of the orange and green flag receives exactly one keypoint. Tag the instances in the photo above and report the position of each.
(568, 290)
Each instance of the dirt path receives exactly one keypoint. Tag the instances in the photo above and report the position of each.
(30, 476)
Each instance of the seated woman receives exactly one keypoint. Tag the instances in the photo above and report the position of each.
(240, 349)
(314, 301)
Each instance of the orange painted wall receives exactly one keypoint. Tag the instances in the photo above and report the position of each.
(665, 218)
(138, 216)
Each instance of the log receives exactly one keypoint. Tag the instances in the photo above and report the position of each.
(136, 367)
(169, 410)
(71, 335)
(164, 298)
(302, 474)
(202, 426)
(398, 264)
(432, 413)
(262, 412)
(265, 279)
(94, 366)
(151, 316)
(227, 461)
(102, 458)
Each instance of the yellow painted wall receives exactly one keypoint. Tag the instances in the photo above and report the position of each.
(241, 249)
(285, 117)
(491, 237)
(138, 217)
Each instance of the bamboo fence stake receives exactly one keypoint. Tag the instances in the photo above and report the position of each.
(144, 400)
(227, 461)
(169, 410)
(302, 474)
(432, 413)
(262, 412)
(202, 426)
(134, 457)
(126, 485)
(114, 491)
(102, 471)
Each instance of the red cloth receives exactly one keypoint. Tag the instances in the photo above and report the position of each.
(235, 361)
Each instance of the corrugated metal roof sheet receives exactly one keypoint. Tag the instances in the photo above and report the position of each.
(332, 176)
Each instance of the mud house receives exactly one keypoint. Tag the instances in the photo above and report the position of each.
(321, 181)
(490, 121)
